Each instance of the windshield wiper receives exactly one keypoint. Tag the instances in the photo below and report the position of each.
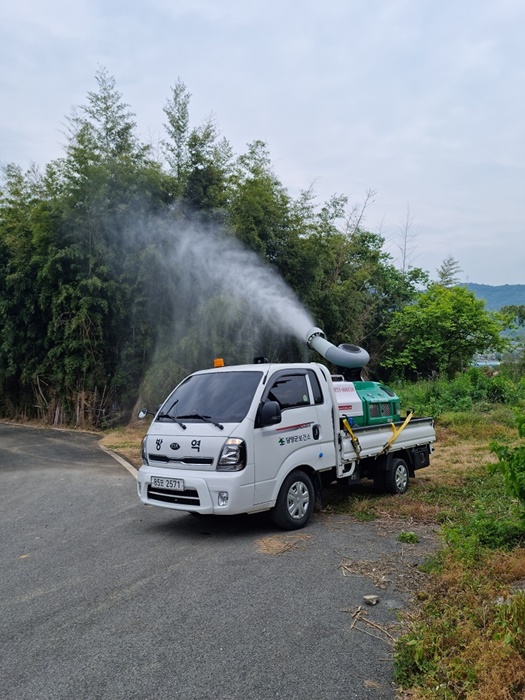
(175, 419)
(206, 419)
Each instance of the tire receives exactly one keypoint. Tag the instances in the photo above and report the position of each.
(396, 477)
(295, 502)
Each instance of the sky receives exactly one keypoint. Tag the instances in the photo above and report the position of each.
(420, 102)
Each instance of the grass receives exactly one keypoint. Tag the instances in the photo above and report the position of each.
(408, 537)
(463, 638)
(126, 441)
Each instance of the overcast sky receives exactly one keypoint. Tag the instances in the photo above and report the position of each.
(418, 100)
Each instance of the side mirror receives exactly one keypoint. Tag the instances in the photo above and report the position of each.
(143, 413)
(269, 413)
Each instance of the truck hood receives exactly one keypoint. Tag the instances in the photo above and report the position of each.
(198, 447)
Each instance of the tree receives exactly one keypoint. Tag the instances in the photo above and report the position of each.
(516, 313)
(198, 158)
(440, 333)
(177, 128)
(258, 207)
(210, 156)
(88, 262)
(406, 244)
(353, 287)
(27, 232)
(105, 123)
(448, 272)
(514, 361)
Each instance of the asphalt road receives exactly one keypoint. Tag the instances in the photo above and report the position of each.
(104, 598)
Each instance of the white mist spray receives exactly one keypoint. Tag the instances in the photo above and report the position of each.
(225, 300)
(221, 263)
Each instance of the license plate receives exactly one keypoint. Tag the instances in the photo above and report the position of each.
(163, 482)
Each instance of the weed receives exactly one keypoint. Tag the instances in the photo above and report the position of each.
(461, 634)
(465, 636)
(361, 505)
(511, 463)
(408, 537)
(471, 389)
(364, 516)
(509, 621)
(433, 564)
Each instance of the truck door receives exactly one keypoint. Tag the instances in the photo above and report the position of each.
(304, 436)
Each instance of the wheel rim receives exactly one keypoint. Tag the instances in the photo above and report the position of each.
(401, 477)
(298, 500)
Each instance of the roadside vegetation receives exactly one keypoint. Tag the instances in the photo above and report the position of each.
(464, 636)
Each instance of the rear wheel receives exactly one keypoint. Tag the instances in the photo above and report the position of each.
(295, 502)
(396, 476)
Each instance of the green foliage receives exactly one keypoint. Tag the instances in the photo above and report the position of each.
(480, 516)
(495, 534)
(465, 620)
(65, 312)
(470, 394)
(515, 312)
(463, 628)
(258, 211)
(448, 272)
(408, 537)
(440, 333)
(205, 188)
(511, 464)
(509, 621)
(355, 288)
(176, 148)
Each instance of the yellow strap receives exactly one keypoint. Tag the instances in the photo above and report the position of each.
(397, 432)
(353, 438)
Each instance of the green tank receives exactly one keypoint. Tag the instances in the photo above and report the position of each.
(380, 404)
(366, 403)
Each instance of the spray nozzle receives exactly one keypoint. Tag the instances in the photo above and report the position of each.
(348, 356)
(312, 333)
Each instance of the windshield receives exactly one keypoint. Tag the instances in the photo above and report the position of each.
(222, 396)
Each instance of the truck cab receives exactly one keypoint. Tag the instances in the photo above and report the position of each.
(226, 438)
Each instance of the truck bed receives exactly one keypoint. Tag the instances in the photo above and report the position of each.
(373, 439)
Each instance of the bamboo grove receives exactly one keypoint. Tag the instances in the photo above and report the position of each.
(93, 320)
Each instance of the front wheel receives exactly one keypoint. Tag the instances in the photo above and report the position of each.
(295, 502)
(396, 476)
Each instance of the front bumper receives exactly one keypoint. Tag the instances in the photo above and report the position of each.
(201, 490)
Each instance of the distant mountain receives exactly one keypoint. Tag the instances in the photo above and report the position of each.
(498, 296)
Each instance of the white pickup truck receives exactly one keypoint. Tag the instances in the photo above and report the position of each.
(267, 437)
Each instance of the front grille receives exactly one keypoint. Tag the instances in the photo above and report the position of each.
(188, 497)
(180, 460)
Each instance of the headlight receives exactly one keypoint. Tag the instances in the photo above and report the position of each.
(143, 451)
(233, 456)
